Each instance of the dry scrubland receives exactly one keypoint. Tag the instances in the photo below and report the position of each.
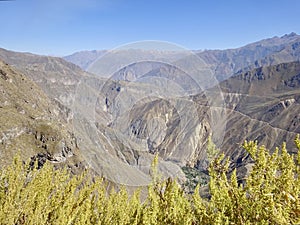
(270, 195)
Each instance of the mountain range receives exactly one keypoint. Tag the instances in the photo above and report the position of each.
(224, 63)
(54, 110)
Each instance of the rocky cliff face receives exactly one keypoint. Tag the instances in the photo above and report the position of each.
(263, 105)
(31, 123)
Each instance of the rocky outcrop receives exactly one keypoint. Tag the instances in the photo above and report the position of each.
(30, 123)
(266, 110)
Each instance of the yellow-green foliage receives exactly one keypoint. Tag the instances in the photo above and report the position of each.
(270, 195)
(212, 150)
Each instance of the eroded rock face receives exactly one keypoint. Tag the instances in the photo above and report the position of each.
(30, 123)
(134, 124)
(260, 104)
(264, 110)
(49, 122)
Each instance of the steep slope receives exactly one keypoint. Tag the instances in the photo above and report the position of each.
(269, 94)
(62, 82)
(57, 77)
(262, 104)
(120, 124)
(31, 124)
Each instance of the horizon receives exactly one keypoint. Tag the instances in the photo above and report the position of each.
(61, 28)
(148, 49)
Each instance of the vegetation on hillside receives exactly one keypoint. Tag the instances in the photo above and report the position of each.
(270, 195)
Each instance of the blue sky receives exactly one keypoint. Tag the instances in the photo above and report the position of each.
(61, 27)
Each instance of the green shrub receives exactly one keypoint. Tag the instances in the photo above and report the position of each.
(270, 195)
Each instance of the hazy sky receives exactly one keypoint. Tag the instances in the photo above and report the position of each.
(61, 27)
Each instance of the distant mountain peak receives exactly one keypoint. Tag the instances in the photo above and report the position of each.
(292, 34)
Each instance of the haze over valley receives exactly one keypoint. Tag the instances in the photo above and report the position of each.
(144, 102)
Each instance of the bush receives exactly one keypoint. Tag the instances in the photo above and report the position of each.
(270, 195)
